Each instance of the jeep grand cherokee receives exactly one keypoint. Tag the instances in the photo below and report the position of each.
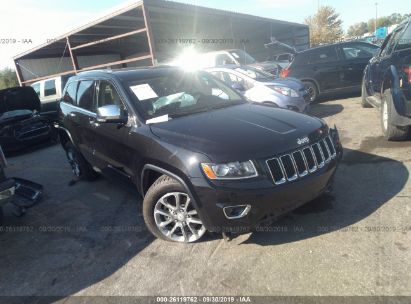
(202, 157)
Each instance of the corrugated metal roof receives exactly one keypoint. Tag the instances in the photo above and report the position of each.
(158, 4)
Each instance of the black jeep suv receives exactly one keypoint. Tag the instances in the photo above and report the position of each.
(202, 157)
(387, 83)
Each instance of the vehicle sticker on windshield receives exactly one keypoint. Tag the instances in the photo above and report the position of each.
(143, 91)
(157, 119)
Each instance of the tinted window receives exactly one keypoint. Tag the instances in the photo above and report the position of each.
(405, 40)
(36, 88)
(354, 51)
(70, 94)
(322, 55)
(107, 95)
(391, 43)
(50, 88)
(85, 95)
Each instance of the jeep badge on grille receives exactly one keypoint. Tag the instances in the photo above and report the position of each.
(303, 140)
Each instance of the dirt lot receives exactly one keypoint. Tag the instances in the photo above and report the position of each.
(90, 239)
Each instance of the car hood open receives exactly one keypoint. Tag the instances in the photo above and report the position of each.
(19, 98)
(240, 132)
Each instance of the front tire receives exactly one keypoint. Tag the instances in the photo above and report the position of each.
(169, 212)
(79, 166)
(391, 132)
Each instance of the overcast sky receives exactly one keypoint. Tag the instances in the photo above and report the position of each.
(32, 22)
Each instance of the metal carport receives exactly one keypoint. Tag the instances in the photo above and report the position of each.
(150, 32)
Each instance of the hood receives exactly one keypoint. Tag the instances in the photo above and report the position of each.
(290, 82)
(19, 98)
(10, 117)
(237, 133)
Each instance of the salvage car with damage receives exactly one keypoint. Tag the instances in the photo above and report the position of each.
(21, 124)
(202, 157)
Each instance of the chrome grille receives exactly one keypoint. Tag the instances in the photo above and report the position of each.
(301, 162)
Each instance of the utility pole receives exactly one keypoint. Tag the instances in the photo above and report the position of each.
(376, 16)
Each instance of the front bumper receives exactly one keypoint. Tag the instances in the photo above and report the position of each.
(266, 200)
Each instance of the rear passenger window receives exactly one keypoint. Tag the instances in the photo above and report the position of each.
(323, 55)
(85, 95)
(70, 94)
(50, 88)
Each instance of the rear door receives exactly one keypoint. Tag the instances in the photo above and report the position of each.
(355, 58)
(325, 67)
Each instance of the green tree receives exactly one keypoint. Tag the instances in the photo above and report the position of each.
(8, 79)
(325, 26)
(357, 29)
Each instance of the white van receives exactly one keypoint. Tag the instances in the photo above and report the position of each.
(50, 93)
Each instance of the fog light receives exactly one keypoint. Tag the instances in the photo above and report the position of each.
(236, 212)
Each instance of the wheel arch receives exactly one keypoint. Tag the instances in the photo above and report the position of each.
(65, 136)
(145, 184)
(313, 81)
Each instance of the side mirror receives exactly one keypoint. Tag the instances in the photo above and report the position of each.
(110, 114)
(238, 87)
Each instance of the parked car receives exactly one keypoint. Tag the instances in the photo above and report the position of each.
(49, 92)
(332, 68)
(226, 57)
(387, 83)
(202, 156)
(258, 86)
(21, 124)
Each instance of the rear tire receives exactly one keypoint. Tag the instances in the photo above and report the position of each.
(364, 95)
(79, 166)
(391, 132)
(312, 90)
(169, 213)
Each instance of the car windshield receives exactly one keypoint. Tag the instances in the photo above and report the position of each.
(242, 57)
(255, 74)
(181, 93)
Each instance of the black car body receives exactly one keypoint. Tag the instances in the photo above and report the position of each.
(275, 159)
(21, 125)
(331, 68)
(387, 83)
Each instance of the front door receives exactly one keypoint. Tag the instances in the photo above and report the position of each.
(111, 139)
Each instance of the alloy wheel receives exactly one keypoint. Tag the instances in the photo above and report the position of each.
(177, 219)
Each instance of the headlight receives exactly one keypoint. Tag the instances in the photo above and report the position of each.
(234, 170)
(285, 91)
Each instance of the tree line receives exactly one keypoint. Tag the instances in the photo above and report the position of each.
(326, 26)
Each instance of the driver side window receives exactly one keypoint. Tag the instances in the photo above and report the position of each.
(107, 95)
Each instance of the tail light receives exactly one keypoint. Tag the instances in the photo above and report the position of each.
(285, 72)
(407, 71)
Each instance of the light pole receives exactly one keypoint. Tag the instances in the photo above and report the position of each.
(376, 16)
